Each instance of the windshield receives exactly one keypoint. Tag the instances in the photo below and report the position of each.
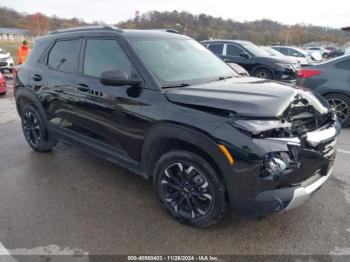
(255, 50)
(180, 61)
(3, 52)
(272, 51)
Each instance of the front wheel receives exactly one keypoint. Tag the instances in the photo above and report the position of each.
(35, 131)
(263, 73)
(341, 105)
(189, 188)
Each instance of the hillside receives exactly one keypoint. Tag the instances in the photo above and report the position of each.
(37, 24)
(261, 32)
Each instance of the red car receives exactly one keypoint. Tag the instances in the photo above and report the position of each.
(3, 87)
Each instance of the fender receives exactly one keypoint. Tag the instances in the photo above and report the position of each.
(188, 135)
(25, 93)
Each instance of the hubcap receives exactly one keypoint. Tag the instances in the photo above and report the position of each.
(31, 128)
(340, 107)
(263, 74)
(186, 190)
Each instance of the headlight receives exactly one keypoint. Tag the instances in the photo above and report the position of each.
(259, 126)
(274, 163)
(286, 66)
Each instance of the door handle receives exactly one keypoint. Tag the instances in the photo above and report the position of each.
(37, 78)
(82, 87)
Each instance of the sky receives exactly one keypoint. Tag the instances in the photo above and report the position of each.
(334, 13)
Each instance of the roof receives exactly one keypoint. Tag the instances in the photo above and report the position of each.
(9, 30)
(241, 42)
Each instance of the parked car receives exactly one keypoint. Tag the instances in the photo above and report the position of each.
(255, 60)
(165, 107)
(274, 52)
(336, 53)
(322, 51)
(332, 80)
(6, 61)
(3, 86)
(304, 57)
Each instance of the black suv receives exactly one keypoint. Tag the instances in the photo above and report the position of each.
(254, 59)
(165, 107)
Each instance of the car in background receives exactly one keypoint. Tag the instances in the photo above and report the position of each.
(322, 51)
(304, 57)
(274, 52)
(330, 79)
(336, 53)
(6, 61)
(3, 86)
(255, 60)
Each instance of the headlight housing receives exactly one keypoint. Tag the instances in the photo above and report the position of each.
(258, 126)
(286, 66)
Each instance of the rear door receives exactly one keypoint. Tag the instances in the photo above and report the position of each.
(53, 79)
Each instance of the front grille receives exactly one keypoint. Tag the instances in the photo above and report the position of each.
(3, 63)
(328, 149)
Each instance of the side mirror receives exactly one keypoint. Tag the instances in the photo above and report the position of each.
(117, 77)
(245, 55)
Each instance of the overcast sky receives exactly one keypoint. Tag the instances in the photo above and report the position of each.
(334, 13)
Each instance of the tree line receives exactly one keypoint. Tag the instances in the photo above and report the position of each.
(200, 27)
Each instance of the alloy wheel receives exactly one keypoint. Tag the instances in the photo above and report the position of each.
(340, 107)
(186, 190)
(31, 128)
(263, 75)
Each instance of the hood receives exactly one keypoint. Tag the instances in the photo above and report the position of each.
(245, 96)
(277, 59)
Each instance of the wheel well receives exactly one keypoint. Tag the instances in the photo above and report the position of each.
(335, 93)
(22, 102)
(164, 145)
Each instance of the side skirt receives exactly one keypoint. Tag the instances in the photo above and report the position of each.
(97, 148)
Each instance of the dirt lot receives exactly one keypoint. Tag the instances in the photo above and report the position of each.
(70, 202)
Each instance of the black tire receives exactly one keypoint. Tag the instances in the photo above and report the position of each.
(341, 104)
(263, 73)
(35, 131)
(201, 190)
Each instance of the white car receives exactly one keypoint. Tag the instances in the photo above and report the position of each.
(6, 61)
(274, 52)
(322, 51)
(304, 58)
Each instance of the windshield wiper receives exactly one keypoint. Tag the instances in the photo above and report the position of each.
(176, 85)
(220, 78)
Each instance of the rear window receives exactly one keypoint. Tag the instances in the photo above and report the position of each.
(64, 55)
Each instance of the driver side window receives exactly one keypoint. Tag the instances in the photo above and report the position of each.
(233, 50)
(104, 54)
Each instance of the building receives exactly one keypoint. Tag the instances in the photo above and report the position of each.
(14, 34)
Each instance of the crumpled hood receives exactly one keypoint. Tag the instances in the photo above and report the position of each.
(245, 96)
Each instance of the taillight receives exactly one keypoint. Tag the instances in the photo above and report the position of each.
(307, 73)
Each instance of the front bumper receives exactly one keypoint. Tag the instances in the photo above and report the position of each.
(252, 195)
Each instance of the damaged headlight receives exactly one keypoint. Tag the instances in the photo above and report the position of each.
(258, 126)
(274, 163)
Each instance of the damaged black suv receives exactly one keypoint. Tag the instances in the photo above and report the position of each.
(162, 105)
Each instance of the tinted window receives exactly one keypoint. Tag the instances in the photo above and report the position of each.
(64, 55)
(343, 65)
(233, 50)
(282, 50)
(216, 48)
(103, 54)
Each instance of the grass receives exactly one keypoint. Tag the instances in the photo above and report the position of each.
(11, 47)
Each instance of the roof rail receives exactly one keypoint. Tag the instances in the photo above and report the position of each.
(86, 28)
(174, 31)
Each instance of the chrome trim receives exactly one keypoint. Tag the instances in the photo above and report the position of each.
(301, 194)
(321, 136)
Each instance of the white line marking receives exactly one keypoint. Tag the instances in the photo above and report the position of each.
(343, 151)
(6, 256)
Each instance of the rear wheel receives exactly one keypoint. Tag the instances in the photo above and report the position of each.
(35, 131)
(341, 105)
(189, 188)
